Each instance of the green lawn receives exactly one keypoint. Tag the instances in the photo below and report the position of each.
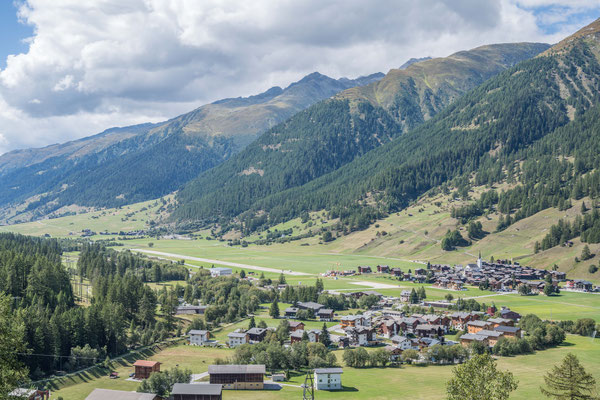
(410, 382)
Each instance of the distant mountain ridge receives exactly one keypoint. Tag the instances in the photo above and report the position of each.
(334, 132)
(535, 125)
(413, 61)
(135, 163)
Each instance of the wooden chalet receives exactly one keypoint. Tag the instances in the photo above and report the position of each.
(296, 326)
(478, 325)
(144, 368)
(325, 314)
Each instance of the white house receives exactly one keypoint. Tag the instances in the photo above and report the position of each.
(198, 337)
(402, 342)
(328, 378)
(220, 271)
(236, 338)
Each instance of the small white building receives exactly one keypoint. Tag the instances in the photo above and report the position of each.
(402, 342)
(235, 339)
(198, 337)
(220, 271)
(328, 378)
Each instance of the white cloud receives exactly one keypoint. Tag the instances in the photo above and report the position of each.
(99, 63)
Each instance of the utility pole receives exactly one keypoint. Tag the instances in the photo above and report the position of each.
(308, 392)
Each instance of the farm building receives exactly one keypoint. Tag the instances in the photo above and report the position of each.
(143, 368)
(198, 391)
(237, 376)
(328, 378)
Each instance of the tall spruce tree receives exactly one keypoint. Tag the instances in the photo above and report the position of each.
(324, 336)
(569, 381)
(274, 310)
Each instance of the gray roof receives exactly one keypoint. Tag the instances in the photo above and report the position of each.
(310, 304)
(512, 329)
(500, 320)
(255, 331)
(236, 369)
(329, 371)
(236, 334)
(487, 333)
(197, 388)
(478, 323)
(108, 394)
(472, 336)
(197, 332)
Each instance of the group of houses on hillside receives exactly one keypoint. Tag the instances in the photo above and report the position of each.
(500, 275)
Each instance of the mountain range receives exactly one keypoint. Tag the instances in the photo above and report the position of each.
(136, 163)
(524, 116)
(534, 126)
(334, 132)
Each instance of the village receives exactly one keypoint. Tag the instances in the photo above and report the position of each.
(385, 330)
(406, 329)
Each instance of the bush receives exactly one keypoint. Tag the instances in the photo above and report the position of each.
(592, 269)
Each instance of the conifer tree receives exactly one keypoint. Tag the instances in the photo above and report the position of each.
(569, 381)
(324, 336)
(274, 310)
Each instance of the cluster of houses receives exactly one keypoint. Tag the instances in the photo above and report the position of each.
(501, 275)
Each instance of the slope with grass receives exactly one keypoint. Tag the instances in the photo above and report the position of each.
(132, 164)
(334, 132)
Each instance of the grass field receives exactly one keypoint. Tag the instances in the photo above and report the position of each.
(127, 218)
(410, 382)
(398, 240)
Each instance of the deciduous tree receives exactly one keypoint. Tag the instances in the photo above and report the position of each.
(479, 379)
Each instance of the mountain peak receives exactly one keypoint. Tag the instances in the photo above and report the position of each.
(589, 33)
(413, 61)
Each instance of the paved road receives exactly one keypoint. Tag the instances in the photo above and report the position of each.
(207, 260)
(197, 377)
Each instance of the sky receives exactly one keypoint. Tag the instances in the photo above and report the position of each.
(72, 68)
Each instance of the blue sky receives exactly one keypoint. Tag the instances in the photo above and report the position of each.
(96, 64)
(12, 32)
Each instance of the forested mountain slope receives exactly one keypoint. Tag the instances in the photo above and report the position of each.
(125, 165)
(491, 134)
(334, 132)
